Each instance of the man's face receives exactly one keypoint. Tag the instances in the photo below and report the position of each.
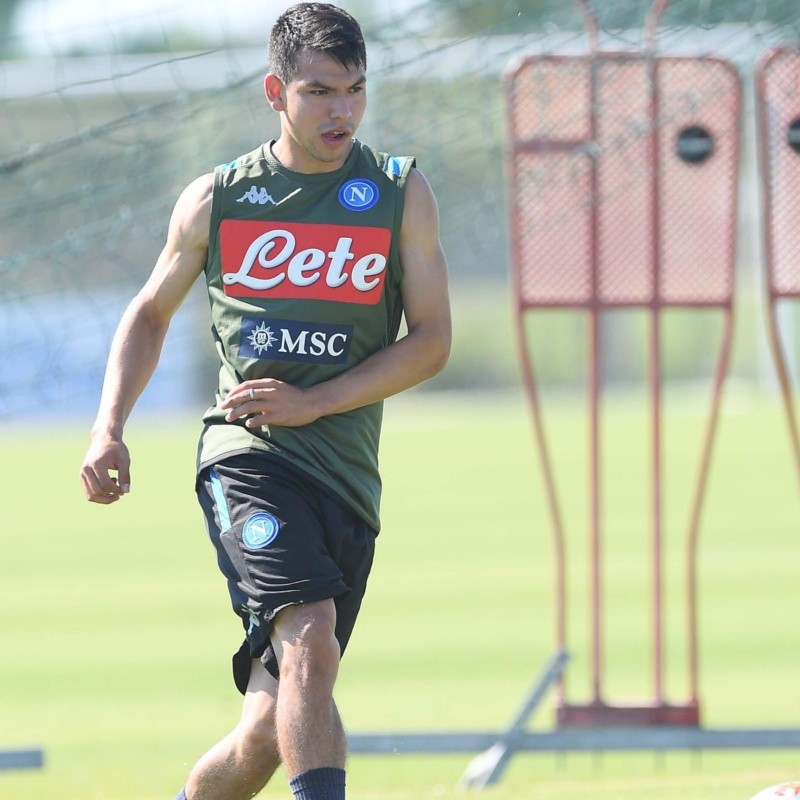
(322, 105)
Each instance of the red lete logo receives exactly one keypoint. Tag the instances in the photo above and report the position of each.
(345, 264)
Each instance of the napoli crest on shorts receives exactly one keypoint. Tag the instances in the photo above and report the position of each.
(260, 531)
(359, 194)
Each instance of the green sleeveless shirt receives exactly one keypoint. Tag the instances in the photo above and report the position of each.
(303, 277)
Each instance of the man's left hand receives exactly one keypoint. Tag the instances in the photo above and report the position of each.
(270, 402)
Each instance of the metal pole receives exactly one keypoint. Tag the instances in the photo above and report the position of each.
(529, 380)
(783, 376)
(655, 383)
(595, 532)
(594, 378)
(592, 27)
(694, 524)
(651, 23)
(545, 462)
(21, 759)
(772, 323)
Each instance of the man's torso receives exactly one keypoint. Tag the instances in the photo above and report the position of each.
(304, 276)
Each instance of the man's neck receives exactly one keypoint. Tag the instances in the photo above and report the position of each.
(303, 162)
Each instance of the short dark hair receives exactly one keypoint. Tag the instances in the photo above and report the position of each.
(321, 27)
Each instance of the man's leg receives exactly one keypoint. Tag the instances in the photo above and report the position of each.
(311, 738)
(239, 766)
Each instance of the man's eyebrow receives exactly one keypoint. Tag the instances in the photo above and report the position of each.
(315, 84)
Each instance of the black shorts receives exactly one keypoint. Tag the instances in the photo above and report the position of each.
(282, 539)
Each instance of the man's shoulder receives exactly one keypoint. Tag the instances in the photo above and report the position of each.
(396, 168)
(193, 210)
(245, 161)
(200, 188)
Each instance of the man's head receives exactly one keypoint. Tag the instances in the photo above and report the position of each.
(316, 27)
(317, 82)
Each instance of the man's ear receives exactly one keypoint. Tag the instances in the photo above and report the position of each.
(275, 92)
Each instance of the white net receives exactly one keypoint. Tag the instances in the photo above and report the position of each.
(105, 117)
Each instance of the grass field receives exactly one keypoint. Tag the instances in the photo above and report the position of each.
(116, 633)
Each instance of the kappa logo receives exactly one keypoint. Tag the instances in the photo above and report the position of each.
(257, 196)
(359, 194)
(304, 261)
(287, 340)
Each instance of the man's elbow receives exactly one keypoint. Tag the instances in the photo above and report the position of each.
(438, 353)
(145, 316)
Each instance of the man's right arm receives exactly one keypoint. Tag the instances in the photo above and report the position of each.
(137, 343)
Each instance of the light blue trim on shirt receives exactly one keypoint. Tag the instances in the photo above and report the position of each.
(394, 166)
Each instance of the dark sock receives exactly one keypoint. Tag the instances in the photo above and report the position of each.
(326, 783)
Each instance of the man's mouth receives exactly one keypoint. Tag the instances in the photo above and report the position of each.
(336, 135)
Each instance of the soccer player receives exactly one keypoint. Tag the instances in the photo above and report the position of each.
(313, 248)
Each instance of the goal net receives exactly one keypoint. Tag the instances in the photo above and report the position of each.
(105, 118)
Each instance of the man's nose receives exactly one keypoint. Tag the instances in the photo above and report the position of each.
(341, 108)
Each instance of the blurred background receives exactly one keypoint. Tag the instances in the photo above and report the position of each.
(108, 110)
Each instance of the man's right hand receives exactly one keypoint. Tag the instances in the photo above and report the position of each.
(106, 455)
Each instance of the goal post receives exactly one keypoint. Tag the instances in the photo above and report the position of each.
(623, 172)
(778, 103)
(623, 182)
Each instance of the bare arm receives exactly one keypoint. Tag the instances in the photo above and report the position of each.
(410, 360)
(137, 343)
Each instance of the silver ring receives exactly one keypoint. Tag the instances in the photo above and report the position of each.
(252, 394)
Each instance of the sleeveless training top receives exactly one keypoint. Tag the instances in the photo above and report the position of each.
(303, 277)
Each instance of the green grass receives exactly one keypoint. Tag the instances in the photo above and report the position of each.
(116, 633)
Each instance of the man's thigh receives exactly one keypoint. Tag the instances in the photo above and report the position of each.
(282, 541)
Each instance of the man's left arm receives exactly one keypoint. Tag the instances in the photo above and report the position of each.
(414, 358)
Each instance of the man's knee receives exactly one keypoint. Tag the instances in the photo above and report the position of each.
(257, 739)
(306, 643)
(256, 729)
